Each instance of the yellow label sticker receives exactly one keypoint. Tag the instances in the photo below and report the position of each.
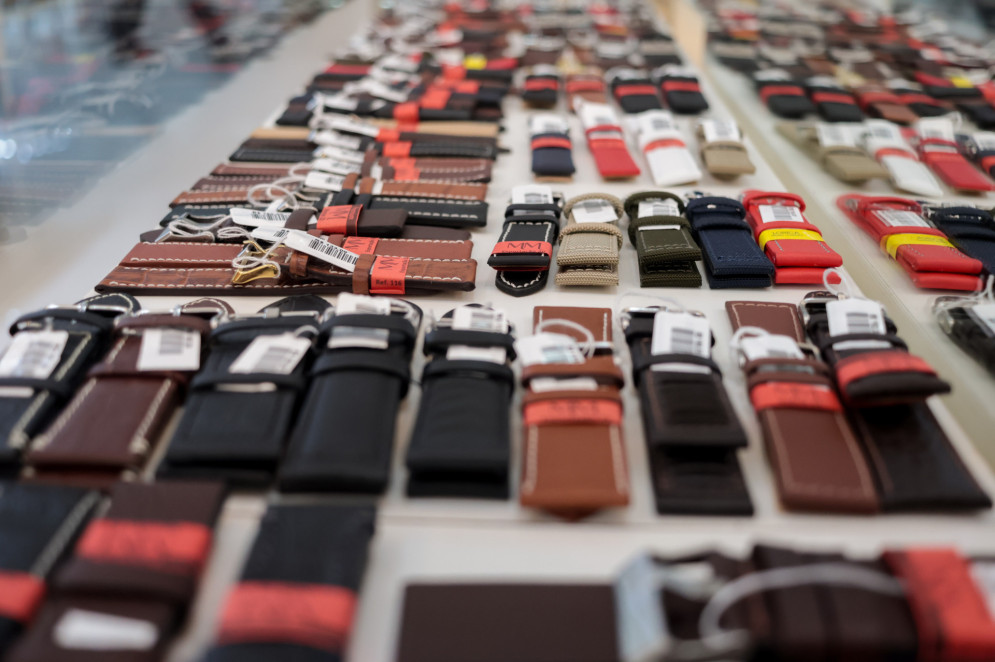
(960, 81)
(475, 62)
(787, 233)
(895, 241)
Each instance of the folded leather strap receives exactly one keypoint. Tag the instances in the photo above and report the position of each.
(606, 140)
(692, 431)
(793, 245)
(30, 399)
(815, 456)
(558, 621)
(662, 238)
(844, 160)
(525, 249)
(947, 603)
(590, 241)
(574, 453)
(552, 151)
(360, 220)
(635, 93)
(723, 152)
(235, 424)
(879, 101)
(460, 445)
(923, 251)
(884, 141)
(681, 90)
(588, 87)
(943, 158)
(969, 229)
(151, 544)
(785, 98)
(834, 103)
(541, 90)
(297, 601)
(914, 464)
(343, 439)
(829, 621)
(920, 103)
(112, 424)
(74, 629)
(732, 257)
(433, 212)
(662, 142)
(37, 524)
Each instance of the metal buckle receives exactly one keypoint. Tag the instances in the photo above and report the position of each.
(821, 298)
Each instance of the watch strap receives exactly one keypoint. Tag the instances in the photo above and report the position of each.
(588, 253)
(664, 246)
(732, 258)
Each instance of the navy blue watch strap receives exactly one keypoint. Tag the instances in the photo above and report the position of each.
(732, 257)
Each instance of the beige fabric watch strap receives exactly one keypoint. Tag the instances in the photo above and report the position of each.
(588, 254)
(725, 158)
(848, 164)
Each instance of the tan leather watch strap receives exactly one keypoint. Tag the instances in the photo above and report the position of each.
(588, 254)
(454, 128)
(574, 460)
(236, 169)
(422, 189)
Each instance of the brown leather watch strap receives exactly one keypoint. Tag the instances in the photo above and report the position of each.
(574, 460)
(816, 459)
(420, 189)
(236, 169)
(231, 195)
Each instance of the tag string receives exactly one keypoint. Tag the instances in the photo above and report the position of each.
(587, 346)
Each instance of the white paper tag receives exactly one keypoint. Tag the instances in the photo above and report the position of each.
(780, 214)
(277, 355)
(641, 623)
(644, 228)
(656, 121)
(336, 139)
(169, 349)
(720, 130)
(335, 166)
(362, 337)
(546, 384)
(352, 304)
(548, 123)
(771, 346)
(884, 130)
(33, 354)
(469, 353)
(339, 154)
(597, 114)
(548, 348)
(340, 102)
(544, 70)
(594, 211)
(254, 218)
(677, 70)
(823, 81)
(901, 218)
(79, 629)
(936, 128)
(984, 315)
(474, 318)
(321, 249)
(666, 207)
(681, 333)
(984, 141)
(324, 181)
(532, 194)
(352, 125)
(848, 316)
(771, 74)
(834, 135)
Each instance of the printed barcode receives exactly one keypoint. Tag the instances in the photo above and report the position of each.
(859, 322)
(332, 251)
(778, 353)
(881, 132)
(534, 198)
(275, 359)
(591, 205)
(269, 215)
(660, 123)
(172, 342)
(686, 341)
(485, 320)
(37, 355)
(558, 354)
(783, 213)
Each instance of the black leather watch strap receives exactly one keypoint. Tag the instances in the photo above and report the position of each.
(460, 445)
(524, 250)
(235, 425)
(344, 437)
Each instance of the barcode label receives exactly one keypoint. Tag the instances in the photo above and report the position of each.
(720, 130)
(323, 182)
(254, 219)
(780, 214)
(984, 141)
(984, 315)
(335, 167)
(855, 316)
(677, 70)
(833, 135)
(544, 348)
(169, 349)
(358, 337)
(341, 102)
(546, 384)
(473, 318)
(276, 355)
(33, 354)
(361, 304)
(658, 208)
(770, 347)
(597, 114)
(883, 130)
(339, 154)
(350, 125)
(771, 74)
(532, 194)
(548, 123)
(467, 353)
(681, 333)
(336, 139)
(897, 218)
(936, 128)
(594, 211)
(321, 249)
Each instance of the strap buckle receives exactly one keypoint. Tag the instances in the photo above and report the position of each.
(813, 299)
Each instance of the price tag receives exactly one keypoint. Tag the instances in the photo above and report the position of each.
(849, 316)
(545, 348)
(254, 219)
(335, 167)
(677, 71)
(277, 355)
(657, 121)
(771, 75)
(822, 81)
(642, 624)
(341, 102)
(546, 384)
(336, 139)
(352, 125)
(681, 333)
(169, 349)
(475, 318)
(666, 207)
(984, 141)
(321, 249)
(984, 315)
(544, 70)
(347, 155)
(780, 214)
(884, 130)
(720, 130)
(548, 123)
(323, 181)
(360, 337)
(898, 218)
(597, 114)
(353, 304)
(80, 629)
(532, 194)
(594, 211)
(834, 135)
(937, 128)
(33, 354)
(771, 346)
